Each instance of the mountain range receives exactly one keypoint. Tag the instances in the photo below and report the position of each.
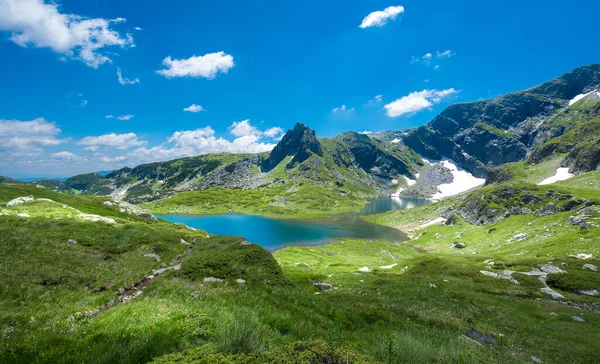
(557, 119)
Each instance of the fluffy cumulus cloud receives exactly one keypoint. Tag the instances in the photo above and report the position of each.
(194, 108)
(206, 66)
(27, 138)
(417, 101)
(41, 24)
(112, 140)
(381, 17)
(342, 109)
(248, 139)
(126, 81)
(67, 157)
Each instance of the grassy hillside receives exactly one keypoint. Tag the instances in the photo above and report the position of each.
(73, 290)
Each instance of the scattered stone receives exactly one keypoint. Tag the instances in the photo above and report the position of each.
(365, 270)
(362, 281)
(212, 279)
(45, 199)
(245, 242)
(551, 269)
(592, 292)
(555, 295)
(4, 212)
(578, 319)
(72, 241)
(553, 314)
(518, 237)
(582, 256)
(447, 281)
(536, 360)
(564, 264)
(19, 201)
(240, 281)
(184, 242)
(109, 204)
(317, 293)
(22, 214)
(322, 286)
(505, 275)
(459, 245)
(590, 267)
(431, 285)
(153, 256)
(578, 220)
(388, 266)
(160, 271)
(482, 339)
(97, 218)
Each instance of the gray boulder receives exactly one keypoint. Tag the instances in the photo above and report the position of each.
(590, 267)
(212, 279)
(322, 286)
(518, 237)
(19, 201)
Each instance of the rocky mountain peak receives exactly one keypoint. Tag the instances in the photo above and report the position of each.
(300, 142)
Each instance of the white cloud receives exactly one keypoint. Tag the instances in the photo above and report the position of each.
(445, 54)
(42, 25)
(207, 66)
(27, 138)
(109, 117)
(342, 109)
(138, 29)
(417, 101)
(200, 141)
(67, 157)
(83, 103)
(243, 128)
(194, 108)
(366, 132)
(105, 159)
(427, 56)
(112, 140)
(381, 17)
(378, 98)
(437, 67)
(124, 117)
(273, 132)
(126, 81)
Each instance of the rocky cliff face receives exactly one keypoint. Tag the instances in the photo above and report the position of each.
(300, 142)
(484, 134)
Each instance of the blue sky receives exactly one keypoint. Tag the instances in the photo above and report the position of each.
(251, 69)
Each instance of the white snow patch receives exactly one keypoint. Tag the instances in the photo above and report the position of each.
(463, 181)
(409, 181)
(395, 141)
(562, 174)
(394, 181)
(578, 97)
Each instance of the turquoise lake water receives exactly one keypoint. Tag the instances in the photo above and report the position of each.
(275, 234)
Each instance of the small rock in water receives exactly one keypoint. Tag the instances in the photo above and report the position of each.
(322, 286)
(19, 201)
(72, 241)
(590, 267)
(578, 319)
